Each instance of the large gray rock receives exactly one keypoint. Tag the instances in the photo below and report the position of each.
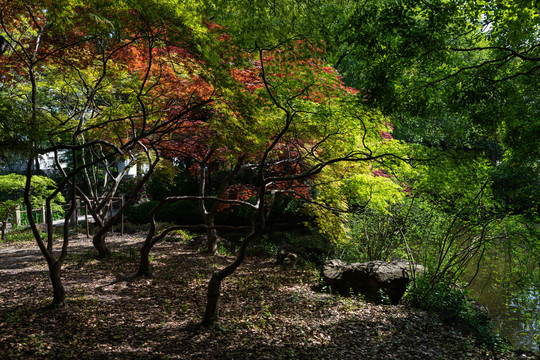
(370, 278)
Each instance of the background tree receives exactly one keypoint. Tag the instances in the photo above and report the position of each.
(452, 74)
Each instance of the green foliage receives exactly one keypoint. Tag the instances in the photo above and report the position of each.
(133, 228)
(517, 187)
(451, 74)
(451, 179)
(519, 249)
(454, 303)
(12, 187)
(415, 227)
(139, 214)
(264, 24)
(374, 235)
(11, 132)
(460, 78)
(164, 182)
(348, 189)
(127, 185)
(169, 180)
(181, 212)
(20, 234)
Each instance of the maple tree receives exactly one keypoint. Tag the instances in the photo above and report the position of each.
(251, 122)
(258, 106)
(96, 83)
(312, 126)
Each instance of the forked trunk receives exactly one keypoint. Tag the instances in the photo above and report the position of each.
(211, 313)
(99, 243)
(99, 238)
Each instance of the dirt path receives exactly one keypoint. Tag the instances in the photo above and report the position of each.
(16, 257)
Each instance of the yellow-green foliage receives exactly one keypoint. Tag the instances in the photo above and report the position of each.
(377, 192)
(12, 190)
(347, 186)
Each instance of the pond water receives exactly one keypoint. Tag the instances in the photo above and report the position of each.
(515, 312)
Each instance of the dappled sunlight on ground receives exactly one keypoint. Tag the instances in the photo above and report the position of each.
(267, 311)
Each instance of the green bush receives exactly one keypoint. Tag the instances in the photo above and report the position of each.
(180, 212)
(445, 298)
(287, 209)
(171, 181)
(132, 228)
(139, 214)
(379, 235)
(22, 234)
(12, 188)
(235, 216)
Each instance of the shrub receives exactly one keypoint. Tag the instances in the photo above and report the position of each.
(180, 212)
(378, 235)
(169, 180)
(132, 228)
(22, 234)
(139, 214)
(446, 298)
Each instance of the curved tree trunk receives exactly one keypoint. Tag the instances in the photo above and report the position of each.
(99, 243)
(59, 293)
(145, 270)
(99, 237)
(55, 265)
(211, 313)
(144, 262)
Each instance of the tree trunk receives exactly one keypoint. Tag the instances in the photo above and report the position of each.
(211, 235)
(99, 243)
(211, 313)
(99, 238)
(59, 293)
(144, 263)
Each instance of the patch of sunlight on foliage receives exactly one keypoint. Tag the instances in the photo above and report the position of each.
(362, 187)
(377, 192)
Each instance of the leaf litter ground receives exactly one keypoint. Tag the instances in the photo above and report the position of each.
(267, 312)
